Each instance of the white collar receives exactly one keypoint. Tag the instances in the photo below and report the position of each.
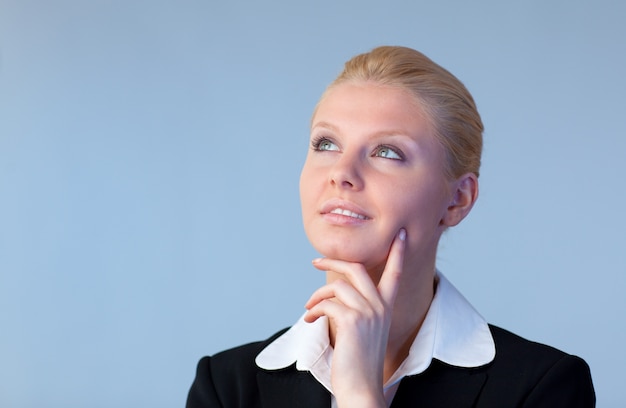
(452, 332)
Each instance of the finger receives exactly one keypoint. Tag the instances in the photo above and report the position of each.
(354, 273)
(389, 281)
(340, 290)
(326, 308)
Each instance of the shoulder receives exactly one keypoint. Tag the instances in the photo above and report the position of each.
(527, 357)
(510, 346)
(538, 374)
(226, 375)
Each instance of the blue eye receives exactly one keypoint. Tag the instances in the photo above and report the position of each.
(388, 153)
(323, 144)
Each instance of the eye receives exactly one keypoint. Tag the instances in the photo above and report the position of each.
(324, 144)
(388, 152)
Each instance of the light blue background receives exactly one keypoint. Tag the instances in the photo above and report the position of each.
(149, 161)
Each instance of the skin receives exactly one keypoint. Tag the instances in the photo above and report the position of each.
(375, 201)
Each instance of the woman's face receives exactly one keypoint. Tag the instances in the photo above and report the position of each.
(374, 167)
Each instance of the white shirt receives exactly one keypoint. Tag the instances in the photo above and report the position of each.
(452, 332)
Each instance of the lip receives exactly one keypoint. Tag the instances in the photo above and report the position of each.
(357, 214)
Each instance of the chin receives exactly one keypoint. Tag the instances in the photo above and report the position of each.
(366, 255)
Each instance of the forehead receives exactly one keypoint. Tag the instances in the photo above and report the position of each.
(372, 106)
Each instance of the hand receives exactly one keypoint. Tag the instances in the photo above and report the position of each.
(360, 313)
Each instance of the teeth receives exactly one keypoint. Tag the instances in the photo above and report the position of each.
(347, 213)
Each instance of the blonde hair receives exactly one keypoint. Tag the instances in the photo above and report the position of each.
(445, 100)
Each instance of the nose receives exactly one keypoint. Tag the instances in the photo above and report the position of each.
(347, 173)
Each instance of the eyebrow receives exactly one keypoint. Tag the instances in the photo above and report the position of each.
(325, 125)
(383, 133)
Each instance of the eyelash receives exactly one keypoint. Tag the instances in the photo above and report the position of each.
(393, 149)
(319, 140)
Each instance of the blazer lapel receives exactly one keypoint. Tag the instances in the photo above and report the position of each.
(441, 386)
(290, 388)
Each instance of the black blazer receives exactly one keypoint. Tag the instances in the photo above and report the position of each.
(523, 374)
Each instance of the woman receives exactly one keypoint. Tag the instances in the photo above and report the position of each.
(395, 153)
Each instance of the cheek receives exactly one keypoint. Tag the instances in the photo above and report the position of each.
(405, 214)
(421, 211)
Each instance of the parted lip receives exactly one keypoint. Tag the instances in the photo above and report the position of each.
(334, 205)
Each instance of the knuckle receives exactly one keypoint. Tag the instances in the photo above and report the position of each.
(351, 317)
(379, 310)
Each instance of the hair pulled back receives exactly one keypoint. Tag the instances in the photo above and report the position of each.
(444, 99)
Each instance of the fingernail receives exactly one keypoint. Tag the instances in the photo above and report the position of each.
(317, 260)
(402, 234)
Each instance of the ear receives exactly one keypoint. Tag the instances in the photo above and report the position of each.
(464, 195)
